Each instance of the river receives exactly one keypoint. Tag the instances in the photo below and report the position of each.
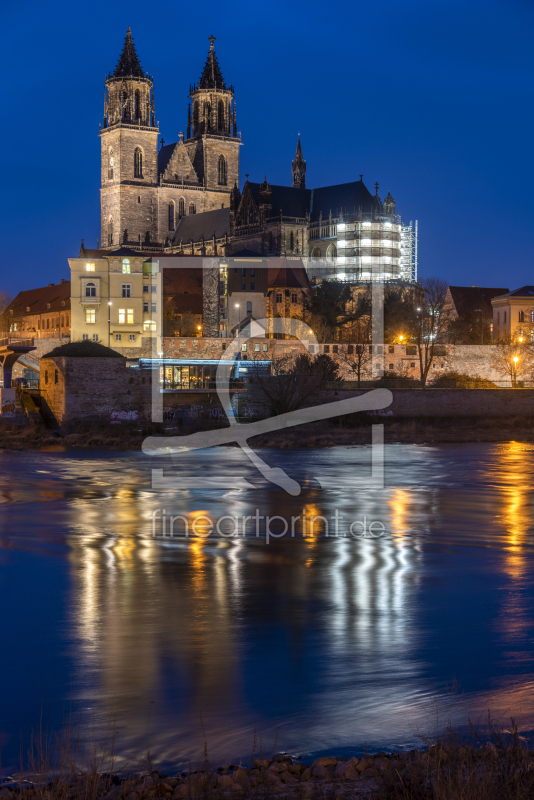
(319, 643)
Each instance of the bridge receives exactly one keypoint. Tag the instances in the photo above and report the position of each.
(11, 349)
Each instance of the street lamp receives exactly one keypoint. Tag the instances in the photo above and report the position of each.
(239, 323)
(401, 337)
(109, 324)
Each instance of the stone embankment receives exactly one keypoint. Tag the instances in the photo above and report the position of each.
(380, 775)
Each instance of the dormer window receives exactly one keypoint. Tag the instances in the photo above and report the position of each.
(89, 267)
(63, 303)
(48, 305)
(27, 308)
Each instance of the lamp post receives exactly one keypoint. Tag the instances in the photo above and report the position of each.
(109, 324)
(239, 323)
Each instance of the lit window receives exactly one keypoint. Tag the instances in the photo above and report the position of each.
(244, 348)
(126, 266)
(122, 315)
(89, 267)
(118, 337)
(149, 326)
(130, 316)
(90, 316)
(126, 288)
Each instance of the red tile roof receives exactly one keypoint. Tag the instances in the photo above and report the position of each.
(37, 300)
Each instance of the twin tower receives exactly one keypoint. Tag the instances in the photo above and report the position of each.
(146, 190)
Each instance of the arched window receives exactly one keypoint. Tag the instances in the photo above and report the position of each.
(316, 252)
(222, 171)
(291, 241)
(207, 115)
(195, 118)
(110, 231)
(90, 289)
(331, 253)
(110, 164)
(181, 208)
(124, 103)
(221, 115)
(192, 209)
(138, 163)
(137, 104)
(171, 215)
(126, 266)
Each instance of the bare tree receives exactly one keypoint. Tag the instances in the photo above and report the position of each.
(357, 355)
(427, 323)
(5, 300)
(292, 382)
(513, 358)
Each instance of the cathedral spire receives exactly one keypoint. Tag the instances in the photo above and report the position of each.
(128, 65)
(298, 167)
(212, 76)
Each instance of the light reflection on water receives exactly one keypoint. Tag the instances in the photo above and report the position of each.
(331, 642)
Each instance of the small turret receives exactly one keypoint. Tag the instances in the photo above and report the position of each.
(298, 167)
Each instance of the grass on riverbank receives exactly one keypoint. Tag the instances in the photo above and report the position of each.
(495, 764)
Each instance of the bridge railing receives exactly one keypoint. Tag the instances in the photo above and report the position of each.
(7, 340)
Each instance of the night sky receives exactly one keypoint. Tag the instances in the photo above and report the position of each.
(434, 100)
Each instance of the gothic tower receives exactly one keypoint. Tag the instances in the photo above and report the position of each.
(212, 139)
(129, 154)
(298, 167)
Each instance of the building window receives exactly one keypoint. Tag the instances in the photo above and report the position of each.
(221, 115)
(331, 253)
(145, 289)
(153, 289)
(327, 348)
(56, 376)
(521, 316)
(391, 348)
(153, 307)
(118, 337)
(85, 336)
(126, 289)
(90, 290)
(222, 171)
(149, 326)
(181, 208)
(137, 104)
(89, 267)
(498, 317)
(505, 316)
(244, 348)
(265, 348)
(532, 316)
(126, 266)
(270, 241)
(110, 165)
(171, 215)
(95, 337)
(47, 323)
(412, 364)
(350, 349)
(243, 286)
(132, 337)
(138, 163)
(46, 376)
(192, 209)
(145, 308)
(249, 308)
(256, 348)
(334, 348)
(126, 316)
(279, 297)
(110, 231)
(252, 286)
(90, 316)
(138, 198)
(391, 367)
(294, 298)
(291, 241)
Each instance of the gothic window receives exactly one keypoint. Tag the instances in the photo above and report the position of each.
(124, 103)
(331, 253)
(316, 253)
(221, 115)
(137, 105)
(171, 215)
(110, 231)
(222, 171)
(90, 289)
(138, 163)
(207, 115)
(110, 165)
(181, 208)
(195, 118)
(291, 241)
(192, 209)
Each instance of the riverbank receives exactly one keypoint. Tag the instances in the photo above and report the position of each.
(129, 436)
(446, 770)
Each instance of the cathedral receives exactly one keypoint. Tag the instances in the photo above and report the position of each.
(185, 197)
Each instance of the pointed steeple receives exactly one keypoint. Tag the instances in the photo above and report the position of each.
(212, 76)
(128, 65)
(298, 167)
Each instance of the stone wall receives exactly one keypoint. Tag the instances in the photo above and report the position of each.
(82, 388)
(42, 346)
(452, 402)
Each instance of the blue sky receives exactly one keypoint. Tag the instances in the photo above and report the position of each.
(434, 100)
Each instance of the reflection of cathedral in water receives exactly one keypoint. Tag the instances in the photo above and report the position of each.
(218, 629)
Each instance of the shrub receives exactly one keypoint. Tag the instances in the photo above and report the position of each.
(460, 380)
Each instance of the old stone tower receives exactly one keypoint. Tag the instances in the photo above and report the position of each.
(145, 192)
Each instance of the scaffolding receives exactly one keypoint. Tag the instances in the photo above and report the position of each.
(408, 258)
